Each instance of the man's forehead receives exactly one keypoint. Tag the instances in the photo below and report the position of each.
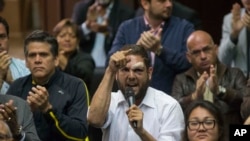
(137, 65)
(135, 61)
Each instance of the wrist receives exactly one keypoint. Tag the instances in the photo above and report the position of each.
(47, 109)
(158, 51)
(18, 134)
(193, 96)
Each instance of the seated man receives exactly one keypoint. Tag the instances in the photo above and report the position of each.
(58, 100)
(10, 68)
(210, 80)
(16, 112)
(150, 114)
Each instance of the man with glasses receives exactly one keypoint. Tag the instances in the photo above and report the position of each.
(210, 80)
(10, 68)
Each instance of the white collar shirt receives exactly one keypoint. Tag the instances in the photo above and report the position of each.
(163, 118)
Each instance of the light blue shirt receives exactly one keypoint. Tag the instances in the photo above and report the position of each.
(98, 53)
(18, 69)
(163, 118)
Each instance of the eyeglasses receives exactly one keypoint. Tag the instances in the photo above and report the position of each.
(207, 124)
(206, 50)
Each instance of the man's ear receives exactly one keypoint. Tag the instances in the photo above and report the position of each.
(26, 64)
(56, 61)
(216, 49)
(188, 55)
(145, 4)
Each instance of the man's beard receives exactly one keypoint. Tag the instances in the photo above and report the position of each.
(160, 16)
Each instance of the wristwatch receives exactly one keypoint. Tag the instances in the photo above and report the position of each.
(18, 135)
(158, 51)
(222, 91)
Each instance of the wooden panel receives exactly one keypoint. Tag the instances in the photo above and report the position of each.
(11, 13)
(51, 13)
(68, 6)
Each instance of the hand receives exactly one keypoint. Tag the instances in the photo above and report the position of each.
(63, 60)
(246, 20)
(8, 113)
(200, 86)
(96, 27)
(213, 81)
(247, 121)
(237, 24)
(4, 64)
(92, 13)
(135, 114)
(38, 99)
(151, 40)
(118, 60)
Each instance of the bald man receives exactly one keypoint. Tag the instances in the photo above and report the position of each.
(5, 132)
(208, 79)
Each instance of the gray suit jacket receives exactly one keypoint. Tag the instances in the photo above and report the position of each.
(24, 115)
(229, 53)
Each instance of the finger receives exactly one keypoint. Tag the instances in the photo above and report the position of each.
(3, 112)
(33, 98)
(146, 41)
(10, 105)
(159, 32)
(126, 52)
(10, 111)
(41, 88)
(2, 53)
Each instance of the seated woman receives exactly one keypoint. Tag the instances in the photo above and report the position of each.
(71, 60)
(204, 121)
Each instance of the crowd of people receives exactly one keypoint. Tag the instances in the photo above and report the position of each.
(174, 83)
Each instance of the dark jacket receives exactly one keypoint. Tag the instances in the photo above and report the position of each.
(232, 79)
(69, 97)
(118, 14)
(81, 65)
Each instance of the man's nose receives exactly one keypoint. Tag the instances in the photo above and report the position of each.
(168, 3)
(37, 58)
(131, 74)
(203, 54)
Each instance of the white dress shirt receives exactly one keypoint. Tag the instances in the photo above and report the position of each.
(163, 118)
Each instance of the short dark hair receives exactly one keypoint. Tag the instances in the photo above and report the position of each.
(138, 50)
(213, 109)
(6, 25)
(41, 36)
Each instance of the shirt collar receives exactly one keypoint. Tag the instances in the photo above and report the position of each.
(148, 25)
(148, 100)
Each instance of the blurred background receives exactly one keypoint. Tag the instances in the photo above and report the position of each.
(24, 16)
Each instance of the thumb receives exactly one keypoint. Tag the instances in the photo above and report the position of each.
(61, 52)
